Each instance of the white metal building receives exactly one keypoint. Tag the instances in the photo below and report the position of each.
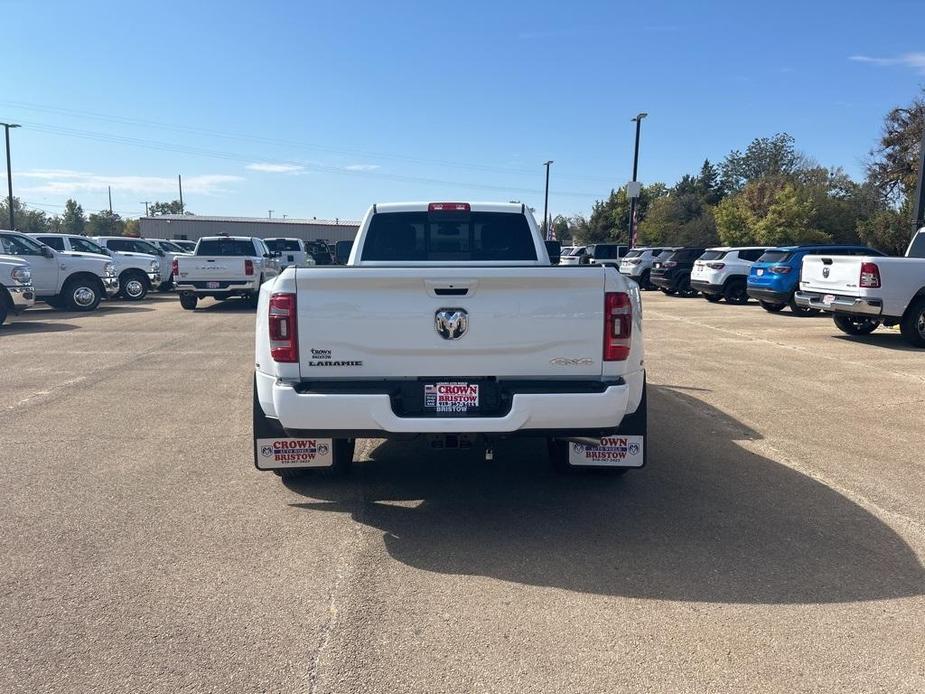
(192, 227)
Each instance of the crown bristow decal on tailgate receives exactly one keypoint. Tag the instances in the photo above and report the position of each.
(325, 357)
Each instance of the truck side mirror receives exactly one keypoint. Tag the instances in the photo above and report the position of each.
(47, 252)
(342, 250)
(554, 249)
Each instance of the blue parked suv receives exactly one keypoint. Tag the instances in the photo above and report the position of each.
(775, 276)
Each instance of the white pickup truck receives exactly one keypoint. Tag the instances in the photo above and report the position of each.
(449, 321)
(863, 292)
(62, 280)
(16, 290)
(223, 267)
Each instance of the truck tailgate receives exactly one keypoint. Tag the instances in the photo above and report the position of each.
(206, 267)
(832, 274)
(527, 322)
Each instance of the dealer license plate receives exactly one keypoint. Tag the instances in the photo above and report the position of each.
(613, 451)
(828, 299)
(275, 454)
(451, 397)
(212, 285)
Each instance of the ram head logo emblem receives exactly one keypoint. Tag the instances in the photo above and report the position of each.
(451, 323)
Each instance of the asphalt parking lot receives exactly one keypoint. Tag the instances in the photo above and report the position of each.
(774, 543)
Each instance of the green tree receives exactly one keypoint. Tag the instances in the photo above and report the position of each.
(764, 157)
(105, 223)
(887, 229)
(73, 220)
(25, 219)
(734, 222)
(893, 165)
(131, 228)
(172, 207)
(680, 220)
(709, 186)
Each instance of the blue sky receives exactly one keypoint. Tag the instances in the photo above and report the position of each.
(319, 109)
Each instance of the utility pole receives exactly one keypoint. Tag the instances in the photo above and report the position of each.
(919, 214)
(109, 188)
(632, 225)
(546, 202)
(9, 172)
(146, 203)
(180, 183)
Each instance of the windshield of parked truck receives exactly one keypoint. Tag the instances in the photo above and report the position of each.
(87, 246)
(423, 236)
(20, 245)
(225, 247)
(775, 257)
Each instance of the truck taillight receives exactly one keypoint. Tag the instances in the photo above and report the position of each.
(284, 338)
(618, 326)
(248, 266)
(870, 276)
(175, 268)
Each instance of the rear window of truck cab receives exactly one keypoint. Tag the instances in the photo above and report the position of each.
(282, 245)
(229, 247)
(471, 236)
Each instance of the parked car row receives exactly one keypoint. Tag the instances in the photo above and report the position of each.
(859, 286)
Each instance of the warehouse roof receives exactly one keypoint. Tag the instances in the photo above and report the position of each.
(251, 220)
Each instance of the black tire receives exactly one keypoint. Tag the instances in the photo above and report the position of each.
(801, 310)
(771, 307)
(4, 307)
(735, 293)
(253, 299)
(912, 326)
(133, 285)
(189, 301)
(644, 282)
(684, 287)
(713, 298)
(82, 293)
(855, 325)
(667, 292)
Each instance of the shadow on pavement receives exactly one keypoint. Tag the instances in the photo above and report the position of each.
(227, 305)
(36, 326)
(706, 520)
(880, 340)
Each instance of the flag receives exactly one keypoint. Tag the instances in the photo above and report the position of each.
(550, 232)
(635, 240)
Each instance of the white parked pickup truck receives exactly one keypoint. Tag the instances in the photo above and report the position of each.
(77, 283)
(863, 292)
(222, 267)
(16, 290)
(449, 321)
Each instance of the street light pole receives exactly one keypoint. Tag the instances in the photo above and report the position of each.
(632, 225)
(546, 203)
(9, 172)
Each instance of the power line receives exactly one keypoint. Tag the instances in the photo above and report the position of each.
(230, 156)
(290, 144)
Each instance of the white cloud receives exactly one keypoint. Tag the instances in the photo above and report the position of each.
(916, 61)
(65, 181)
(362, 167)
(267, 167)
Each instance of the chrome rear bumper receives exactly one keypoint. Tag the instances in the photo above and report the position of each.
(840, 304)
